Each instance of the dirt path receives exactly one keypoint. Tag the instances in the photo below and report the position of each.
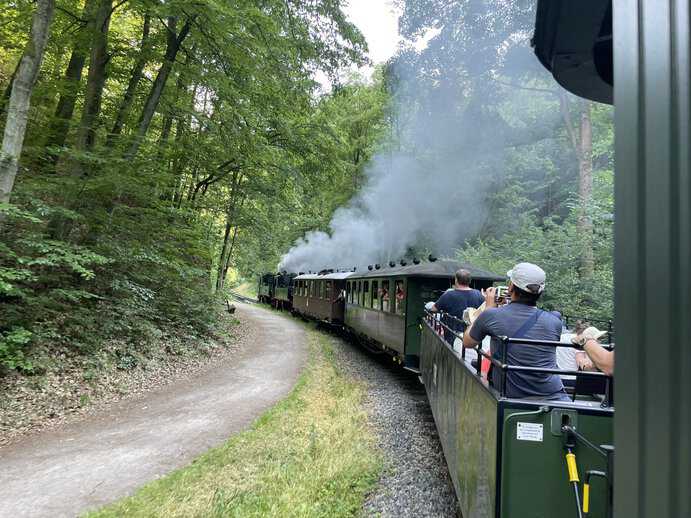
(67, 472)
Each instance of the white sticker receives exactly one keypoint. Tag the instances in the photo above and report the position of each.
(529, 432)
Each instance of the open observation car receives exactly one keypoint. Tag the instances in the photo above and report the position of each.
(508, 457)
(524, 457)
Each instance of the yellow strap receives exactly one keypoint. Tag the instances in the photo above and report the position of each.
(573, 469)
(586, 498)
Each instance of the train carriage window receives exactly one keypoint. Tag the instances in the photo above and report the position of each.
(328, 290)
(347, 298)
(312, 288)
(359, 293)
(400, 298)
(365, 294)
(384, 295)
(375, 295)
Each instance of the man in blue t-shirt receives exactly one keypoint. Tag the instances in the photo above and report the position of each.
(521, 319)
(455, 301)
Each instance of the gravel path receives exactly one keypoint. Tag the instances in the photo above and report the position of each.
(107, 456)
(416, 481)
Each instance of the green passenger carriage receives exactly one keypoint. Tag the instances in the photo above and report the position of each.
(385, 306)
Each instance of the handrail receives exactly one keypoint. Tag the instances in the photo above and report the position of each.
(435, 321)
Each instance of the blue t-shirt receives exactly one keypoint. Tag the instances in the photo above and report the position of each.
(454, 302)
(507, 321)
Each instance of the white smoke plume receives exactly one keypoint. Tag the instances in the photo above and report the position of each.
(429, 195)
(403, 204)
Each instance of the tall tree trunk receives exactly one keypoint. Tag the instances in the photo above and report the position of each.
(226, 249)
(8, 91)
(20, 99)
(96, 79)
(57, 133)
(172, 48)
(169, 119)
(223, 273)
(585, 191)
(135, 78)
(582, 143)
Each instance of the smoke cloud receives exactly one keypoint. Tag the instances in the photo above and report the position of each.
(428, 192)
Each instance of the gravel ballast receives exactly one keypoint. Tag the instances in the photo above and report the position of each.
(415, 481)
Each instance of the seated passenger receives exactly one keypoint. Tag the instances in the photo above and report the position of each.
(384, 296)
(400, 298)
(601, 358)
(454, 302)
(521, 319)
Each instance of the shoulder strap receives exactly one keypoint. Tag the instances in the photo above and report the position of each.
(528, 324)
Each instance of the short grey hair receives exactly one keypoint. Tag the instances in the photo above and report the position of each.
(463, 277)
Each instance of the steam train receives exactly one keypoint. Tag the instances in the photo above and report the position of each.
(506, 456)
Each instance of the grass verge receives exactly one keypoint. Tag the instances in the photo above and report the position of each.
(312, 454)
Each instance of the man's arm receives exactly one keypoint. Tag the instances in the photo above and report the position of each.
(584, 363)
(601, 357)
(477, 325)
(469, 341)
(434, 307)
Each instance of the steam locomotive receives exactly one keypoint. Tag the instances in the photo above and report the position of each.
(498, 449)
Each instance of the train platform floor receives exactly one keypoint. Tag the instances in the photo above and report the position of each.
(90, 463)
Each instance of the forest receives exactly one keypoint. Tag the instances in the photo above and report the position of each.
(154, 149)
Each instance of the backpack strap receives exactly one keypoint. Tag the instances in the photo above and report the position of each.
(528, 324)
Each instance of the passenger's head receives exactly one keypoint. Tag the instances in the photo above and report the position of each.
(463, 278)
(527, 282)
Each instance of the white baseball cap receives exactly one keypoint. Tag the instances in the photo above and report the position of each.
(528, 277)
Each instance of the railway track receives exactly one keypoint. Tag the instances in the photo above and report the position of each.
(242, 298)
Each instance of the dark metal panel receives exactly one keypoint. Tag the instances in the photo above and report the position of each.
(383, 327)
(653, 262)
(465, 413)
(537, 468)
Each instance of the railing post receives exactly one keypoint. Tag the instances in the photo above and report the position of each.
(504, 353)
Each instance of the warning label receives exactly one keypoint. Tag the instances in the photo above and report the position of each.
(529, 432)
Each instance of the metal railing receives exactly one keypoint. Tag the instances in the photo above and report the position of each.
(438, 322)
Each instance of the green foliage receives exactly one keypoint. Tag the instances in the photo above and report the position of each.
(12, 343)
(105, 243)
(555, 244)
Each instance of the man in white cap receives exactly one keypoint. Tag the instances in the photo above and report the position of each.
(521, 319)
